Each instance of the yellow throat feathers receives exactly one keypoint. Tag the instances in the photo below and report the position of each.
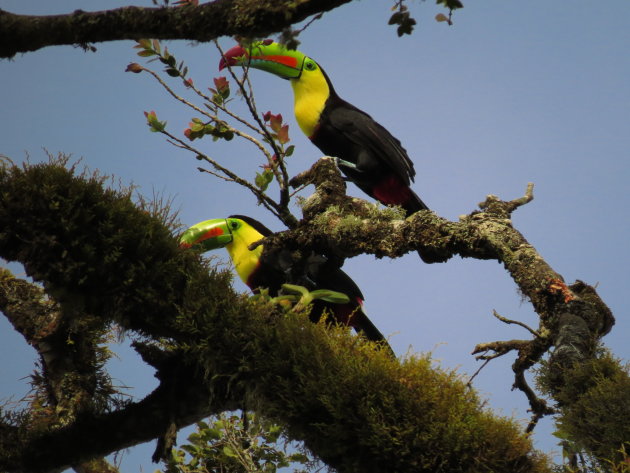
(245, 261)
(310, 92)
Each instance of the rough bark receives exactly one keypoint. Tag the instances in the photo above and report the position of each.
(249, 18)
(572, 318)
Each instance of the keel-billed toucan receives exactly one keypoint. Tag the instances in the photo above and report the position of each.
(366, 152)
(260, 270)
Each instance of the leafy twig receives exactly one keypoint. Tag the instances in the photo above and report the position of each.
(264, 199)
(283, 178)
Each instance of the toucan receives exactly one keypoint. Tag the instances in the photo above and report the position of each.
(366, 152)
(260, 270)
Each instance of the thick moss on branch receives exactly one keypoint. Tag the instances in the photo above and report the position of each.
(359, 410)
(352, 404)
(255, 18)
(93, 249)
(594, 400)
(571, 317)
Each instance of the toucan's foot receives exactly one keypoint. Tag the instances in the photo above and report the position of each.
(342, 163)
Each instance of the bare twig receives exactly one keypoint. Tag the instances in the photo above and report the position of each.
(528, 197)
(510, 206)
(469, 383)
(538, 406)
(215, 174)
(263, 198)
(516, 322)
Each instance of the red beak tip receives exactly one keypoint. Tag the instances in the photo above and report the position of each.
(229, 58)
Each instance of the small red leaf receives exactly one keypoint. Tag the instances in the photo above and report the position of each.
(134, 67)
(275, 121)
(283, 134)
(221, 83)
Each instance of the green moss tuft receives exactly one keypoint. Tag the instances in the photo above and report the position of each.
(360, 410)
(595, 406)
(94, 249)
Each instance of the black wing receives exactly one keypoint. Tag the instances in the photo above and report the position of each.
(362, 133)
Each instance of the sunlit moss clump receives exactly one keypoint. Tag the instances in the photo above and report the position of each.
(361, 410)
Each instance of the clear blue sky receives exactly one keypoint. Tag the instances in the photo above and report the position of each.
(514, 92)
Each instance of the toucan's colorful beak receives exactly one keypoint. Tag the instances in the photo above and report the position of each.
(267, 56)
(207, 235)
(235, 56)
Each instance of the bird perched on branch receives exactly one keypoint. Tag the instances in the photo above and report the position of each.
(367, 154)
(261, 270)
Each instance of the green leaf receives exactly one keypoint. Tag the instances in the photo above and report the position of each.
(144, 43)
(190, 449)
(561, 435)
(196, 127)
(263, 179)
(228, 452)
(298, 457)
(281, 299)
(146, 53)
(295, 289)
(172, 72)
(441, 17)
(330, 296)
(289, 151)
(214, 433)
(156, 45)
(218, 99)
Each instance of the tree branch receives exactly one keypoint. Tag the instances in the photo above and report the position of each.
(71, 382)
(572, 318)
(250, 18)
(182, 398)
(342, 226)
(226, 349)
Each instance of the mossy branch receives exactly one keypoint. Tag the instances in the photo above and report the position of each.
(572, 318)
(250, 18)
(70, 380)
(104, 259)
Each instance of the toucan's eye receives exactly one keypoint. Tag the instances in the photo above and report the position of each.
(310, 65)
(234, 225)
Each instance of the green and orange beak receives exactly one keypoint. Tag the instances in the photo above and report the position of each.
(266, 56)
(210, 234)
